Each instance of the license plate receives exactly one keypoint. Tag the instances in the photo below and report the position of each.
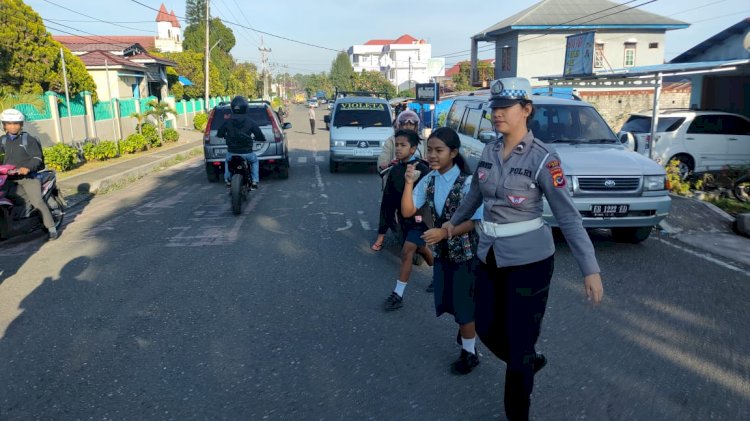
(257, 146)
(607, 211)
(362, 152)
(220, 152)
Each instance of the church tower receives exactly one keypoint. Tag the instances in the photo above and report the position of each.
(169, 30)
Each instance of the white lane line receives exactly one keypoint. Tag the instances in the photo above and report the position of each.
(703, 256)
(302, 160)
(365, 225)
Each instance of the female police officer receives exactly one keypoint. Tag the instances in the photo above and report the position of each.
(515, 245)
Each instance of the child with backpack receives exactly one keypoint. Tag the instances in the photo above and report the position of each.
(412, 228)
(442, 190)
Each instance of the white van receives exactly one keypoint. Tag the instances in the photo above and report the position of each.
(358, 127)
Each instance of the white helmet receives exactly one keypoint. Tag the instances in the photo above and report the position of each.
(11, 115)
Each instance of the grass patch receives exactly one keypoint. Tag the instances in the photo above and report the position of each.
(731, 206)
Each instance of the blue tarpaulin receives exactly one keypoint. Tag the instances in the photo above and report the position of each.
(185, 81)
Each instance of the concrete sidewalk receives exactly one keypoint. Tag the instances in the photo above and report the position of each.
(81, 186)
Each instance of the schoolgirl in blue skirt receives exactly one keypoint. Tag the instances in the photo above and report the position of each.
(442, 190)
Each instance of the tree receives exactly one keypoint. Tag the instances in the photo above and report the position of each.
(139, 117)
(195, 11)
(373, 81)
(462, 79)
(10, 98)
(195, 36)
(30, 58)
(160, 110)
(191, 65)
(342, 72)
(243, 80)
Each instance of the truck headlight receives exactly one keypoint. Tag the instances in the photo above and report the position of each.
(654, 182)
(339, 143)
(569, 182)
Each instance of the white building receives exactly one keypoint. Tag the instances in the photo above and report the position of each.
(532, 42)
(404, 61)
(169, 39)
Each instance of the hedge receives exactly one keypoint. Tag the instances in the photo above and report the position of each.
(134, 143)
(61, 157)
(200, 121)
(170, 135)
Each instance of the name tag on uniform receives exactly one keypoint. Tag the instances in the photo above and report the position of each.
(485, 164)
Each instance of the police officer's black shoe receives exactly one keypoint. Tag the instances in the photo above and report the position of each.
(393, 302)
(465, 363)
(539, 362)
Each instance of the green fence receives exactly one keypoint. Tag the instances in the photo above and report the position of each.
(103, 110)
(33, 114)
(179, 107)
(127, 107)
(144, 103)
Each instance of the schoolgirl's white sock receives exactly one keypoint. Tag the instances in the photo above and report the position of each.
(400, 286)
(468, 344)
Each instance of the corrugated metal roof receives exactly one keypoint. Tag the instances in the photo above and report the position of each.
(97, 58)
(576, 14)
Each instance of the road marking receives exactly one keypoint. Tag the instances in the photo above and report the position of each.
(703, 256)
(347, 226)
(365, 225)
(302, 160)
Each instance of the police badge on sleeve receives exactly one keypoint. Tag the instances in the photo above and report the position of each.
(556, 172)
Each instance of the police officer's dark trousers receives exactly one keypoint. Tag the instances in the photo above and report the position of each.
(510, 304)
(31, 191)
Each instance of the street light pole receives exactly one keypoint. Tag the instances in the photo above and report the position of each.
(208, 57)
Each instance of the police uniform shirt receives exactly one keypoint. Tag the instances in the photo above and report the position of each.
(443, 185)
(511, 192)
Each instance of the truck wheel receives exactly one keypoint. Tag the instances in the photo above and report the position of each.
(687, 165)
(283, 169)
(211, 174)
(633, 235)
(333, 166)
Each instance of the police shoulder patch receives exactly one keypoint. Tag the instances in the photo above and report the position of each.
(556, 173)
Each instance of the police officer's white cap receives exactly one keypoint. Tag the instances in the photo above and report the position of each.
(508, 91)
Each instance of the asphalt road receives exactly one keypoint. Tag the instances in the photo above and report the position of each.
(158, 303)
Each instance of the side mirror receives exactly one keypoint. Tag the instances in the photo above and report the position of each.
(327, 118)
(286, 126)
(487, 136)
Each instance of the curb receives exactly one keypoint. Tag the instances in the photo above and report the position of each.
(711, 206)
(84, 192)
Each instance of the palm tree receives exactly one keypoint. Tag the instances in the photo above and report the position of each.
(160, 110)
(139, 117)
(10, 98)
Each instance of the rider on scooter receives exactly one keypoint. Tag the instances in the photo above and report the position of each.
(237, 131)
(25, 152)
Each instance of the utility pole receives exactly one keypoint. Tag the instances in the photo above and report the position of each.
(208, 57)
(264, 63)
(410, 73)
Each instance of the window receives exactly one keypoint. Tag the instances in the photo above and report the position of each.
(485, 124)
(735, 125)
(642, 124)
(706, 124)
(653, 45)
(599, 55)
(629, 54)
(356, 58)
(455, 114)
(469, 126)
(506, 59)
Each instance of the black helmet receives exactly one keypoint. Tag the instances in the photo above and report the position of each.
(239, 105)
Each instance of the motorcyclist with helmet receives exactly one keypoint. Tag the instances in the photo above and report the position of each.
(239, 131)
(25, 152)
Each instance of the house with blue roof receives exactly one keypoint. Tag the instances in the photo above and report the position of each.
(532, 42)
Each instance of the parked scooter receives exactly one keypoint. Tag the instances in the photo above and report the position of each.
(741, 188)
(17, 218)
(239, 172)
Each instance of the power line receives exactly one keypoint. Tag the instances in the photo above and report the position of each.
(91, 17)
(255, 30)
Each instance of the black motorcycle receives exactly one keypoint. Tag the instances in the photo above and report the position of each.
(741, 188)
(18, 218)
(239, 185)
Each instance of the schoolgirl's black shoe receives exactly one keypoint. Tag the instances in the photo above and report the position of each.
(465, 363)
(393, 302)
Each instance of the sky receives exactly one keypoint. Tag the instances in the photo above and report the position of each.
(337, 25)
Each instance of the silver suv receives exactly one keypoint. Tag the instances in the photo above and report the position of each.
(611, 186)
(701, 140)
(272, 154)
